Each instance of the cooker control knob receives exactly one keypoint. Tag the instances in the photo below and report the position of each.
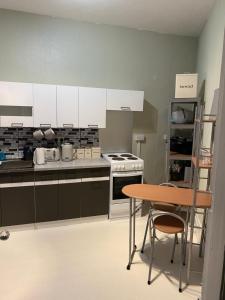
(118, 167)
(133, 166)
(136, 167)
(140, 166)
(122, 167)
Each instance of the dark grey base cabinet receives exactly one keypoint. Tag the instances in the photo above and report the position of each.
(17, 205)
(46, 203)
(69, 200)
(55, 195)
(95, 198)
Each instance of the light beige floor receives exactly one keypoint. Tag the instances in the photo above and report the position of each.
(86, 261)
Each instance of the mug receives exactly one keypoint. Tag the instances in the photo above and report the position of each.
(49, 134)
(38, 134)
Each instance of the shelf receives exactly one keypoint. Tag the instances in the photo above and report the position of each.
(181, 183)
(182, 126)
(201, 164)
(178, 156)
(185, 100)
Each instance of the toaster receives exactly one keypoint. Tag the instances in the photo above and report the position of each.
(52, 154)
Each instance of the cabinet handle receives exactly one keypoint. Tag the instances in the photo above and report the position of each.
(16, 124)
(45, 125)
(91, 179)
(125, 108)
(68, 125)
(96, 126)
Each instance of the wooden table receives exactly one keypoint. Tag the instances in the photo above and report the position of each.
(160, 194)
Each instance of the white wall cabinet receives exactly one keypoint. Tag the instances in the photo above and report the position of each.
(125, 100)
(44, 105)
(67, 106)
(92, 107)
(16, 121)
(16, 94)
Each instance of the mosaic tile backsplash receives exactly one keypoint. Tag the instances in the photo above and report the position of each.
(13, 140)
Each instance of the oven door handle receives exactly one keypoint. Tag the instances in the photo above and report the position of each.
(127, 174)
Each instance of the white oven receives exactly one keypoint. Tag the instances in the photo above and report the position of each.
(119, 203)
(126, 169)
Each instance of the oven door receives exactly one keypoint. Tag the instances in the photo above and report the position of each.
(121, 179)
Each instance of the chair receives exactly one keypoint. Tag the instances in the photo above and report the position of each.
(169, 223)
(166, 207)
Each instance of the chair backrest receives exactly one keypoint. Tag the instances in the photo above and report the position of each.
(168, 184)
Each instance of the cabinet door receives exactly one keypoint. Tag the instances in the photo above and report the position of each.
(95, 198)
(70, 197)
(17, 205)
(125, 100)
(46, 198)
(44, 105)
(16, 94)
(16, 121)
(67, 106)
(92, 107)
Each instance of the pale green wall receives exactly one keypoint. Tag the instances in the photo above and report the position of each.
(52, 50)
(210, 51)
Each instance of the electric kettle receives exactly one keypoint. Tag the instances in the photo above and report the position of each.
(67, 152)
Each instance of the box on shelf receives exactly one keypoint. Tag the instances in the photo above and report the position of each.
(96, 152)
(186, 85)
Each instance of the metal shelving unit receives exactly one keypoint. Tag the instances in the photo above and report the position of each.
(172, 126)
(201, 160)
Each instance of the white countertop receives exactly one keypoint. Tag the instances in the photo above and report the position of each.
(74, 164)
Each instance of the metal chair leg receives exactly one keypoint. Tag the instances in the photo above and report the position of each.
(181, 261)
(185, 248)
(174, 246)
(152, 242)
(146, 231)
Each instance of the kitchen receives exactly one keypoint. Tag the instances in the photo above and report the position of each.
(87, 89)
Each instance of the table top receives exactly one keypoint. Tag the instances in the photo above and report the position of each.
(165, 194)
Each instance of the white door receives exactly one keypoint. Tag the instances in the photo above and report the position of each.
(44, 105)
(125, 100)
(67, 106)
(92, 107)
(16, 94)
(16, 121)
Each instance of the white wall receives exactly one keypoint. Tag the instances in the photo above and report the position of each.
(210, 51)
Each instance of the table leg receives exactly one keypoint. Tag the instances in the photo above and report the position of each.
(132, 246)
(190, 244)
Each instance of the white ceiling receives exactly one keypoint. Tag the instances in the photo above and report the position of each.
(182, 17)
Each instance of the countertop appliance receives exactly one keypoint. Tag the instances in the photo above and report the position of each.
(126, 168)
(39, 156)
(67, 152)
(52, 154)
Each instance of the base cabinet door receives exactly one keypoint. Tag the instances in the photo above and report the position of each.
(95, 198)
(69, 200)
(46, 199)
(17, 205)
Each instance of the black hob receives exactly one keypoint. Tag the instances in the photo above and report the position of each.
(118, 158)
(126, 155)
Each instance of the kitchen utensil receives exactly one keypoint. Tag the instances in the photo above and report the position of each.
(39, 156)
(80, 153)
(49, 134)
(52, 154)
(27, 153)
(67, 152)
(38, 134)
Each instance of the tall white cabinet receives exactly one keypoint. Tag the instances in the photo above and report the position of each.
(67, 106)
(44, 105)
(92, 107)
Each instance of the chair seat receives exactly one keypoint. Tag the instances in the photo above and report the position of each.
(169, 224)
